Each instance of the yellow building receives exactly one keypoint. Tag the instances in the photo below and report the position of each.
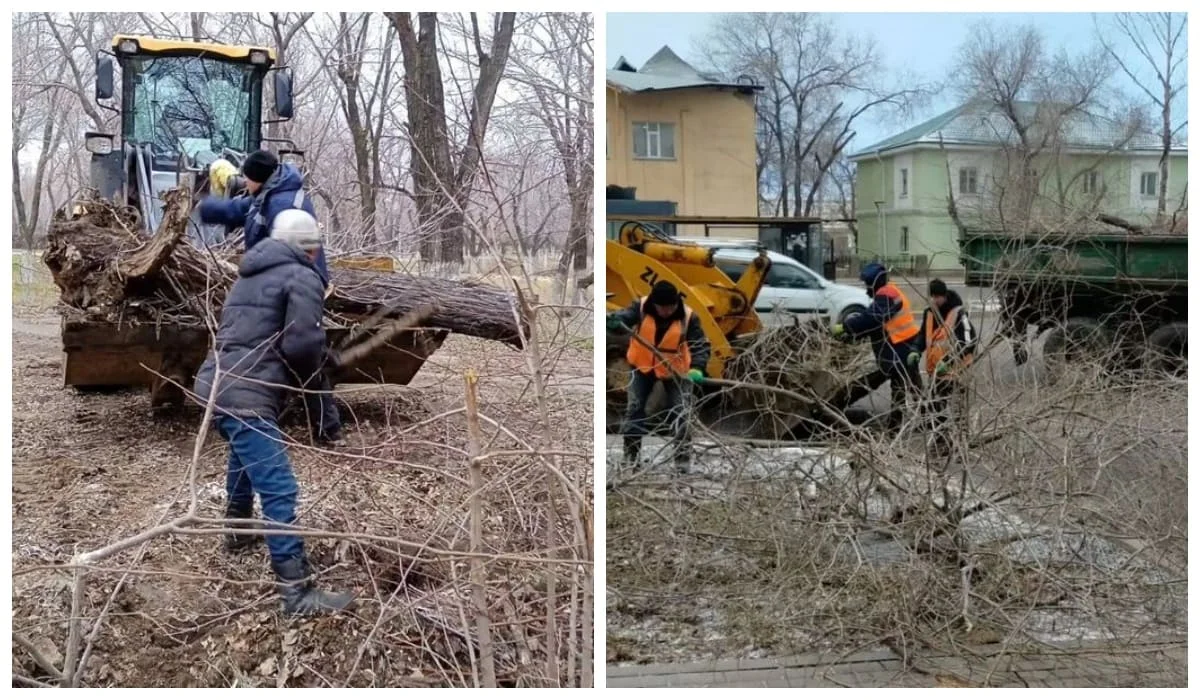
(679, 136)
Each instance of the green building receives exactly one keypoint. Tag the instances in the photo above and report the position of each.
(1083, 166)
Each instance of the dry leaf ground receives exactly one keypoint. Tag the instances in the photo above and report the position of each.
(89, 469)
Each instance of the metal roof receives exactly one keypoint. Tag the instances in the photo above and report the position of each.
(667, 71)
(981, 124)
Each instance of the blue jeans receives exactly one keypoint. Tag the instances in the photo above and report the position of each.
(258, 464)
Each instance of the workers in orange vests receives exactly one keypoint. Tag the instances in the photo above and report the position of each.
(893, 330)
(662, 321)
(948, 341)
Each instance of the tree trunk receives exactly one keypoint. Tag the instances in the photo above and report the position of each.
(1164, 161)
(442, 191)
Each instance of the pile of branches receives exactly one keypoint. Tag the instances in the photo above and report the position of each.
(107, 269)
(790, 376)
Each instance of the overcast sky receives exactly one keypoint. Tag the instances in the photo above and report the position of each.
(921, 42)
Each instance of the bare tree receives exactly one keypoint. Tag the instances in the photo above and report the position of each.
(363, 69)
(817, 85)
(441, 180)
(1028, 99)
(556, 68)
(1160, 42)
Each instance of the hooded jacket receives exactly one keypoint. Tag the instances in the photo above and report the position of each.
(255, 213)
(965, 337)
(270, 336)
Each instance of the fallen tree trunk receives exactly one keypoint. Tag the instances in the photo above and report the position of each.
(109, 271)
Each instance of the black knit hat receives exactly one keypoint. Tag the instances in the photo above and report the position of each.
(664, 294)
(937, 288)
(259, 166)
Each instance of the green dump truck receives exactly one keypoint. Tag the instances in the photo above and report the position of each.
(1116, 298)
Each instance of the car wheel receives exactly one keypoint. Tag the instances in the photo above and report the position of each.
(850, 311)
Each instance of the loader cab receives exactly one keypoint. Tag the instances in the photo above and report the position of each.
(182, 105)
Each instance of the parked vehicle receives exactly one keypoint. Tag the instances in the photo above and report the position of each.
(791, 291)
(1096, 293)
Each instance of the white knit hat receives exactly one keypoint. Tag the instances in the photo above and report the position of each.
(297, 227)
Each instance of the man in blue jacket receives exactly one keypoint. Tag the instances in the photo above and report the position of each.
(893, 330)
(274, 188)
(270, 337)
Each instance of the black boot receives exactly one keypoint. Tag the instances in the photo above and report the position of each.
(633, 450)
(240, 543)
(332, 438)
(300, 597)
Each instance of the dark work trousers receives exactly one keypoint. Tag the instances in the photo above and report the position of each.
(946, 408)
(905, 381)
(324, 421)
(678, 401)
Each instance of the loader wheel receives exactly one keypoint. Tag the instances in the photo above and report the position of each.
(1081, 340)
(1166, 350)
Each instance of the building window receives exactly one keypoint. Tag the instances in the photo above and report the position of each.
(903, 239)
(654, 140)
(1149, 185)
(968, 181)
(903, 182)
(1091, 182)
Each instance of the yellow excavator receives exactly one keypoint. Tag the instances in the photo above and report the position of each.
(183, 106)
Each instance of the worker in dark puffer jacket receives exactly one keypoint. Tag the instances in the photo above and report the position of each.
(663, 321)
(275, 188)
(270, 338)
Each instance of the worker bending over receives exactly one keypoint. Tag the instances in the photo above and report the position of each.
(273, 188)
(270, 337)
(662, 321)
(893, 330)
(948, 341)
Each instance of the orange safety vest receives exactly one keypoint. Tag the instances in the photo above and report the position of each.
(939, 342)
(902, 327)
(673, 346)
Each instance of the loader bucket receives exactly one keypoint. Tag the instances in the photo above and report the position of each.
(165, 358)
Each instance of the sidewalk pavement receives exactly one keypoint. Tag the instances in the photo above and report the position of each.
(1070, 666)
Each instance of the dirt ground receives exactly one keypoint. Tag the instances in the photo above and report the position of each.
(90, 469)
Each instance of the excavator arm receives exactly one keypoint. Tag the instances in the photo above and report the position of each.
(641, 257)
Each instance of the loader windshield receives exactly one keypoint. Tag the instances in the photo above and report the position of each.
(187, 104)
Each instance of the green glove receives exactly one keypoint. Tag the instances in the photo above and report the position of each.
(695, 375)
(914, 358)
(614, 324)
(838, 330)
(941, 368)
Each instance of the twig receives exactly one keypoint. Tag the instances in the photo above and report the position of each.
(483, 625)
(29, 646)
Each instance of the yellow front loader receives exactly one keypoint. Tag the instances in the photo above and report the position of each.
(183, 106)
(641, 256)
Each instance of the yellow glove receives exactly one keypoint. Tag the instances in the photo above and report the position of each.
(219, 174)
(838, 330)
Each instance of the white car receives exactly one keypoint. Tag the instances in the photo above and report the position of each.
(791, 291)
